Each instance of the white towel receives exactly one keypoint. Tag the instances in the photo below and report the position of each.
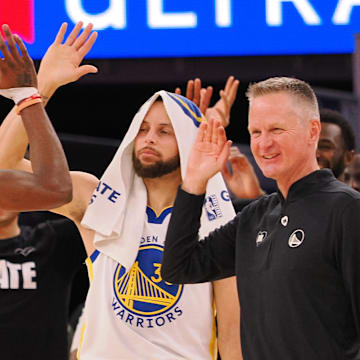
(118, 207)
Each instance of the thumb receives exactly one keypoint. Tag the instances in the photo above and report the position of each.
(85, 69)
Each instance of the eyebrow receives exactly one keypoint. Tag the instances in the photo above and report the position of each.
(161, 124)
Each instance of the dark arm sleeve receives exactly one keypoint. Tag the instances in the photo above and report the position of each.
(350, 257)
(188, 260)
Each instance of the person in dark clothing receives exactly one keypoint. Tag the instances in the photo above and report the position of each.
(37, 265)
(352, 173)
(296, 252)
(336, 147)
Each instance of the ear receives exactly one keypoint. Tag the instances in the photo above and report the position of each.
(315, 129)
(349, 156)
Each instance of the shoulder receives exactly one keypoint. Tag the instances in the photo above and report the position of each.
(341, 194)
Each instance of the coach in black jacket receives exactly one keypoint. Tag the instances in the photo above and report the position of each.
(296, 253)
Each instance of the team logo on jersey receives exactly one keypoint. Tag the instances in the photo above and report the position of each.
(141, 291)
(261, 236)
(296, 238)
(212, 207)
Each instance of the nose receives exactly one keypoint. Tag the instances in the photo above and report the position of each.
(266, 141)
(150, 137)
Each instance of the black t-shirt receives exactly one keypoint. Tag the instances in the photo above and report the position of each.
(36, 270)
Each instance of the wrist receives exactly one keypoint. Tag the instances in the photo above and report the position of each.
(46, 90)
(194, 186)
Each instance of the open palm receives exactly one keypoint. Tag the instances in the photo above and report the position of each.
(61, 63)
(207, 157)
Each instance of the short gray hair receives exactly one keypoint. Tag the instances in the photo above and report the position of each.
(298, 88)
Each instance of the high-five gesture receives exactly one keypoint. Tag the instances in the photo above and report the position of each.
(61, 63)
(200, 96)
(16, 69)
(221, 110)
(208, 155)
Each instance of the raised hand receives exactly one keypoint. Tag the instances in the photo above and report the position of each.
(61, 63)
(16, 69)
(221, 110)
(243, 181)
(200, 96)
(208, 156)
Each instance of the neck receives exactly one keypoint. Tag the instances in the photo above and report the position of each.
(162, 191)
(285, 184)
(10, 229)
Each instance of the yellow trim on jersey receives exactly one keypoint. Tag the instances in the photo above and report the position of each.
(90, 270)
(161, 211)
(213, 342)
(80, 342)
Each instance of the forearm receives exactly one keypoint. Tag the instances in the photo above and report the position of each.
(228, 318)
(13, 141)
(46, 153)
(185, 259)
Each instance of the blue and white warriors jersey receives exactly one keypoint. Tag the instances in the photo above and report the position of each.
(137, 315)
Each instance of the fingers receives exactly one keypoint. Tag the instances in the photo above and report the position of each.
(86, 47)
(22, 48)
(239, 162)
(61, 33)
(197, 89)
(85, 69)
(225, 99)
(74, 33)
(209, 131)
(224, 154)
(178, 91)
(81, 39)
(205, 98)
(190, 89)
(3, 47)
(228, 84)
(231, 89)
(200, 136)
(11, 42)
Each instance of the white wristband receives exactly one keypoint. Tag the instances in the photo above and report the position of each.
(18, 94)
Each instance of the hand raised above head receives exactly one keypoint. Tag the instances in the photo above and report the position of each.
(16, 68)
(200, 96)
(208, 155)
(221, 110)
(61, 63)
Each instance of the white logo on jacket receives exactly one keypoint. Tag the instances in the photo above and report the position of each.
(260, 237)
(296, 238)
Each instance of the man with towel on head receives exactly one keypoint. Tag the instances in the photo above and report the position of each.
(130, 312)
